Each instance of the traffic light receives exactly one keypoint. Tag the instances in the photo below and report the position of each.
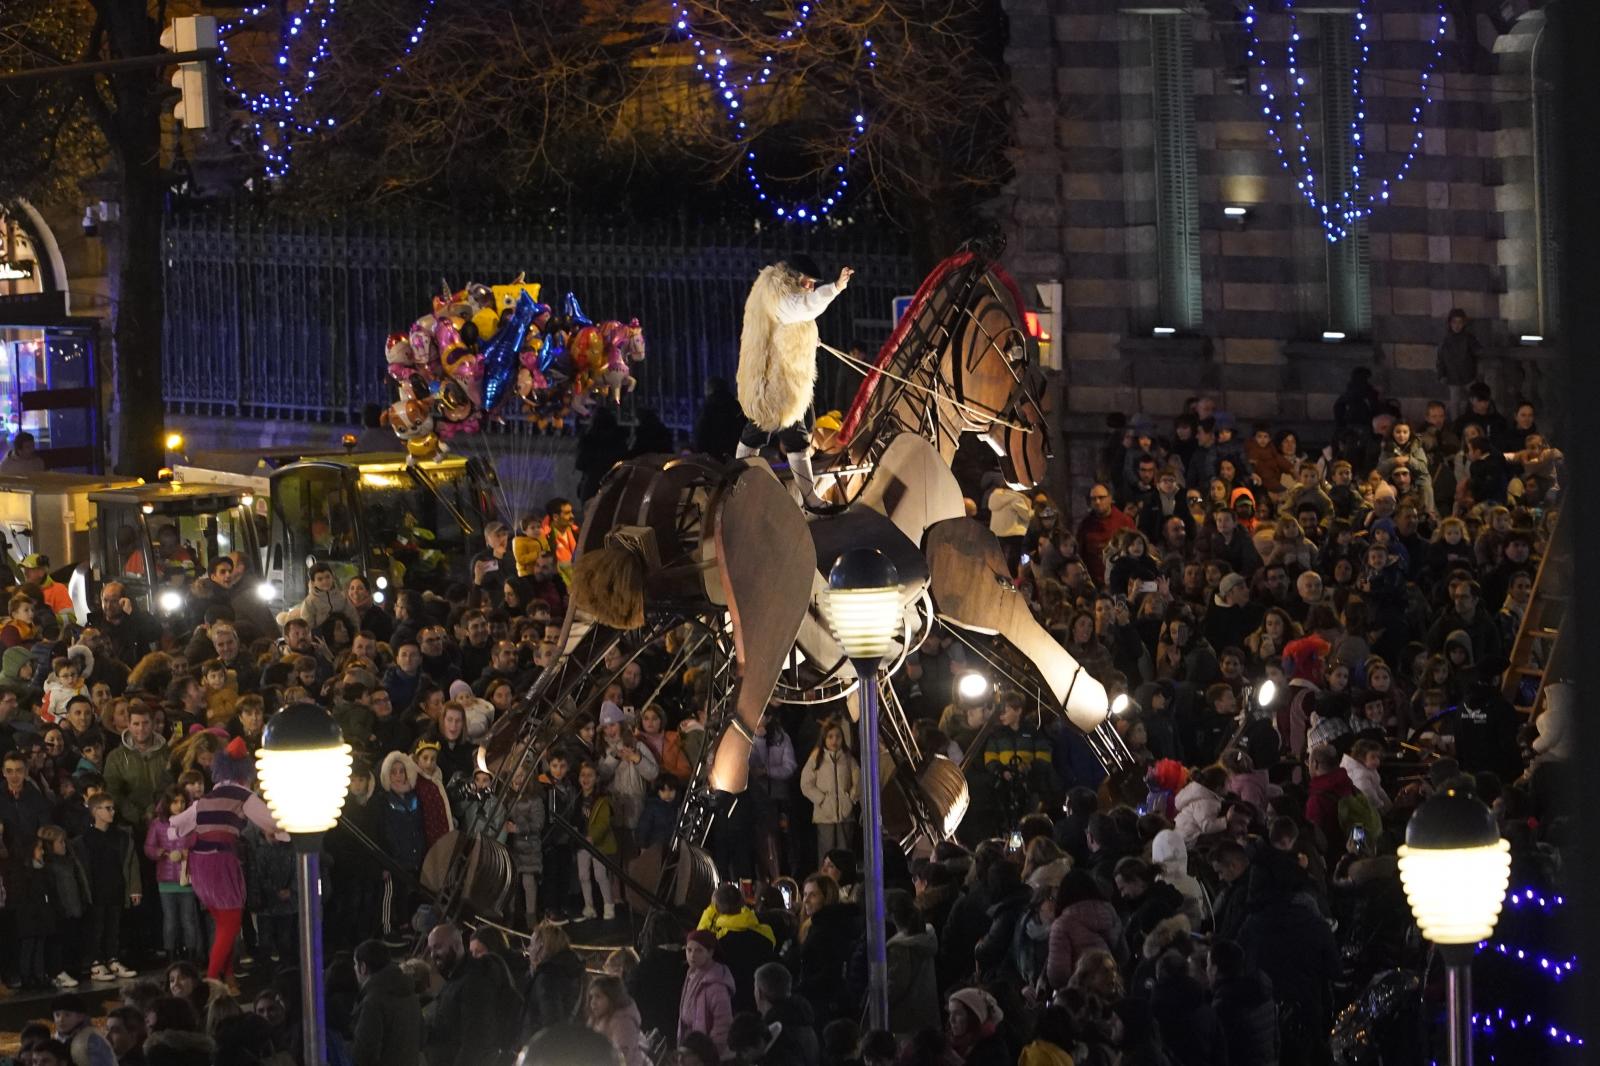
(192, 33)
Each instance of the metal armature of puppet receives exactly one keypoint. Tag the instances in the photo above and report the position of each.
(717, 559)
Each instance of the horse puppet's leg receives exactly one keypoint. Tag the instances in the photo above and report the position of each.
(767, 563)
(972, 589)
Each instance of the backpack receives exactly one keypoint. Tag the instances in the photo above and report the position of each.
(1357, 810)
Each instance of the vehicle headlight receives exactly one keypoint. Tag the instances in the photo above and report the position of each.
(170, 601)
(382, 582)
(266, 592)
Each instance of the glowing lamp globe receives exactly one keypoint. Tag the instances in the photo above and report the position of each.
(1266, 693)
(304, 768)
(973, 687)
(1120, 704)
(1455, 867)
(862, 603)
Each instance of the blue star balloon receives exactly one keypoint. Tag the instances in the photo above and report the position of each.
(500, 354)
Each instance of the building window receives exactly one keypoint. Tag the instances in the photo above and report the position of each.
(1177, 182)
(1349, 259)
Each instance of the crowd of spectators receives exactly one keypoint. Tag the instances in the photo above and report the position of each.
(1216, 902)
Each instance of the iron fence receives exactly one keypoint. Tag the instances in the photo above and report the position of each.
(267, 318)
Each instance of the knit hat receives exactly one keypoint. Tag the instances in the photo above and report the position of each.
(232, 763)
(981, 1004)
(460, 690)
(610, 714)
(704, 937)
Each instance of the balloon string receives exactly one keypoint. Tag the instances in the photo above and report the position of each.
(864, 368)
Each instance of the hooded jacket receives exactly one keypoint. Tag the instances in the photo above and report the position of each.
(1171, 858)
(11, 679)
(621, 1029)
(1085, 926)
(831, 787)
(913, 982)
(1199, 812)
(1322, 803)
(1249, 1019)
(707, 1004)
(1367, 781)
(388, 1021)
(552, 991)
(135, 777)
(400, 814)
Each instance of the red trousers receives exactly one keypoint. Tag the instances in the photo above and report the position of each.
(228, 922)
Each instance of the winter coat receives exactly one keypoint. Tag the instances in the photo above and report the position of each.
(656, 823)
(832, 935)
(992, 953)
(320, 606)
(1085, 926)
(798, 1041)
(1367, 781)
(626, 782)
(913, 982)
(1199, 812)
(481, 813)
(621, 1029)
(113, 869)
(707, 1004)
(1288, 940)
(69, 886)
(1457, 359)
(598, 822)
(28, 899)
(472, 1019)
(388, 1028)
(1159, 902)
(135, 778)
(527, 840)
(1171, 858)
(159, 843)
(551, 992)
(656, 984)
(832, 787)
(400, 828)
(269, 871)
(777, 370)
(1189, 1027)
(1249, 1019)
(21, 817)
(1322, 803)
(1254, 788)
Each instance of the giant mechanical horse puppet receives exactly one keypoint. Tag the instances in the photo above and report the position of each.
(716, 558)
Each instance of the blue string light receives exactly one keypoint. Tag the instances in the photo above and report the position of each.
(1338, 212)
(275, 114)
(1489, 1024)
(717, 66)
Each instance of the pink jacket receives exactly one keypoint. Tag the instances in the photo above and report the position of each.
(1085, 926)
(157, 842)
(707, 1005)
(622, 1029)
(1254, 789)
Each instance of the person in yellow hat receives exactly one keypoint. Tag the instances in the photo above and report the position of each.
(36, 571)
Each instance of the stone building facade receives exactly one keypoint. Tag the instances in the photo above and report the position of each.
(1148, 187)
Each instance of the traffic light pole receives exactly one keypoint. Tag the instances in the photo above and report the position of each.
(113, 66)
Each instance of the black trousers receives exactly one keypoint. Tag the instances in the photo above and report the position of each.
(795, 438)
(104, 920)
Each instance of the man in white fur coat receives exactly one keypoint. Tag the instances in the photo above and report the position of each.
(778, 363)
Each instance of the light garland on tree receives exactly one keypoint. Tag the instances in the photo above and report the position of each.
(1338, 213)
(278, 109)
(716, 65)
(1497, 1020)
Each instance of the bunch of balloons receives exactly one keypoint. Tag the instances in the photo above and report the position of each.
(495, 353)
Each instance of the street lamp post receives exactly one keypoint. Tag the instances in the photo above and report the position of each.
(304, 770)
(862, 607)
(1455, 867)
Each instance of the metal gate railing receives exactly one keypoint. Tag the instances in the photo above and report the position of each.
(273, 319)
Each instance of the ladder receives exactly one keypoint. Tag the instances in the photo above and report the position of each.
(1538, 651)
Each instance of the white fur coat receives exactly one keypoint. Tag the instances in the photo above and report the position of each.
(778, 348)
